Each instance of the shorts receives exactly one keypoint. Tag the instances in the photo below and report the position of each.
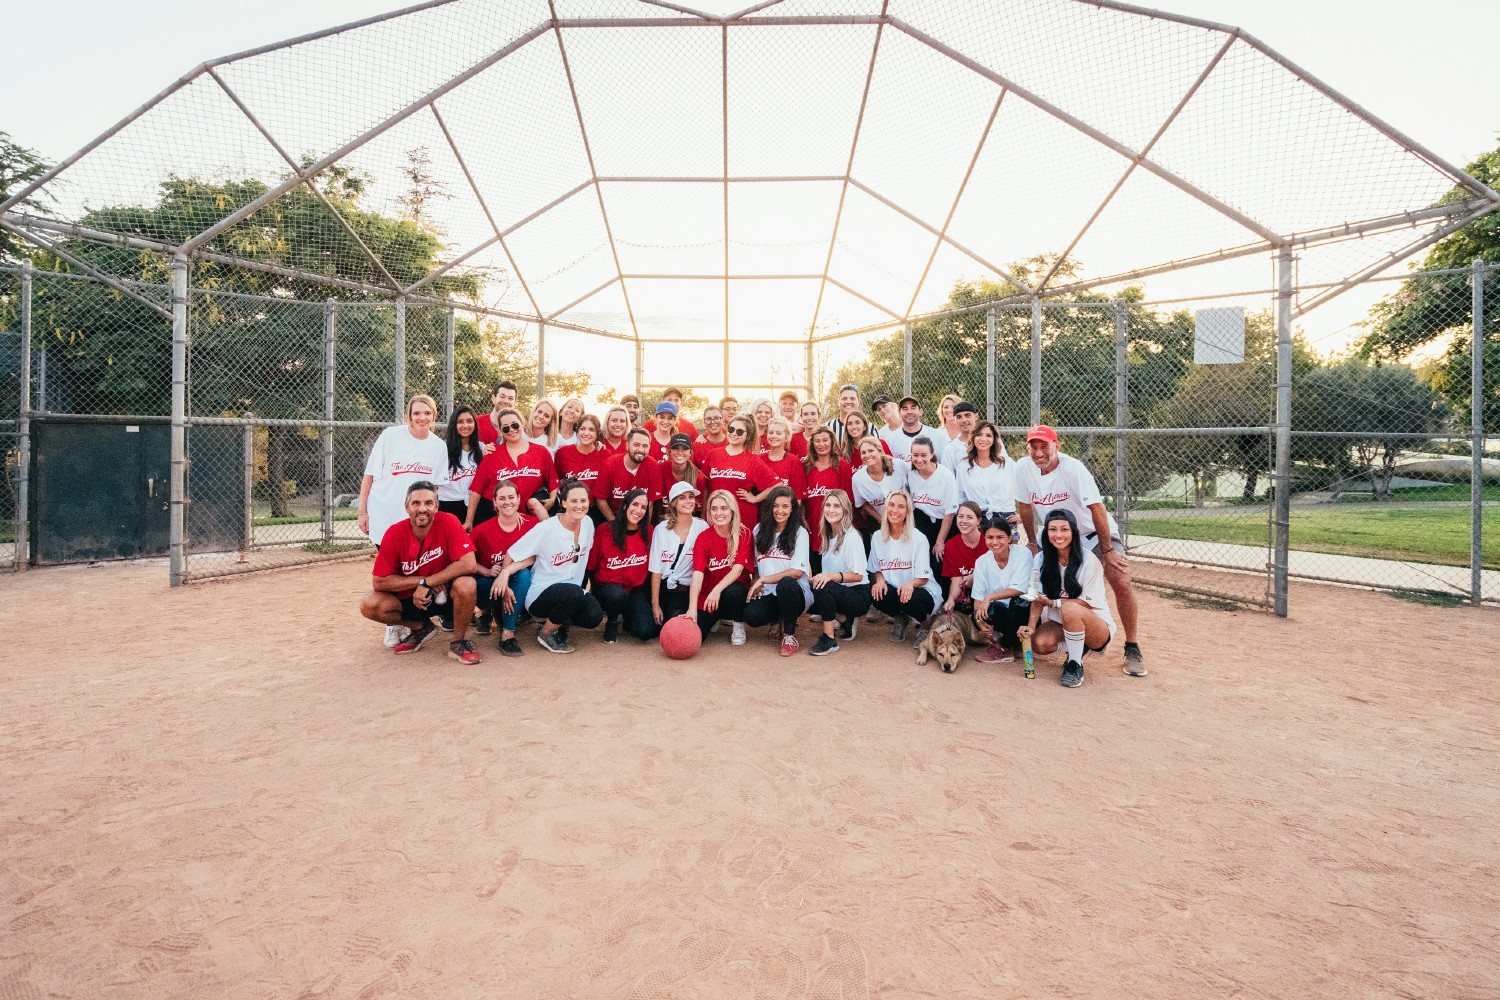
(1051, 614)
(411, 613)
(1091, 540)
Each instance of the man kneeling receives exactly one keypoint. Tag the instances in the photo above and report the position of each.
(423, 563)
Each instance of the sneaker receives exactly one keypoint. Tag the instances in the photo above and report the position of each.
(552, 642)
(717, 625)
(898, 632)
(464, 652)
(394, 634)
(789, 645)
(445, 623)
(415, 639)
(826, 644)
(848, 629)
(995, 653)
(562, 634)
(1135, 663)
(815, 618)
(737, 634)
(874, 615)
(922, 635)
(774, 632)
(483, 628)
(1072, 674)
(611, 630)
(510, 647)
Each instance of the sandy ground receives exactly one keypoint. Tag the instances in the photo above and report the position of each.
(232, 790)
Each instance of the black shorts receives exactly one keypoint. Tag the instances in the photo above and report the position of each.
(411, 613)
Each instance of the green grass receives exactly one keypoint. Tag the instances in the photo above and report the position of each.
(333, 548)
(1431, 598)
(1438, 535)
(1449, 493)
(338, 515)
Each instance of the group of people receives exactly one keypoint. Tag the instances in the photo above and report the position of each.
(768, 516)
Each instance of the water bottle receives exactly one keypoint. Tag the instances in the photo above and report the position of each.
(1026, 655)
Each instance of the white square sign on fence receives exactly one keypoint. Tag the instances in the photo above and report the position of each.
(1219, 336)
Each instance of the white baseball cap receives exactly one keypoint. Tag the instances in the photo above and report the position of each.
(678, 489)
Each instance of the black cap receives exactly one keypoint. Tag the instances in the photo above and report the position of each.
(680, 441)
(964, 406)
(909, 399)
(880, 401)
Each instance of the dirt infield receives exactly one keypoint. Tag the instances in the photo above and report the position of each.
(233, 790)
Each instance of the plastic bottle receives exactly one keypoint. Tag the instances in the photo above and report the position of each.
(1026, 655)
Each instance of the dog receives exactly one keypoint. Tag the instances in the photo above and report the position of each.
(946, 642)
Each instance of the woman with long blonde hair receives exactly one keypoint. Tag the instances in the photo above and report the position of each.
(722, 562)
(841, 589)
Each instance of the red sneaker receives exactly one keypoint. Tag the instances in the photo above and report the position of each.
(995, 653)
(789, 645)
(414, 642)
(464, 652)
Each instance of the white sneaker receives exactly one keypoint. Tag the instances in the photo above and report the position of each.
(737, 634)
(394, 634)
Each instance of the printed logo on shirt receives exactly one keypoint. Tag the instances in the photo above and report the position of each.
(624, 562)
(1048, 499)
(925, 500)
(900, 565)
(410, 469)
(409, 567)
(818, 491)
(717, 473)
(714, 565)
(563, 558)
(586, 475)
(524, 471)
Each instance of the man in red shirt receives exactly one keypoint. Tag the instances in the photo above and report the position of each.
(632, 469)
(711, 437)
(423, 563)
(487, 424)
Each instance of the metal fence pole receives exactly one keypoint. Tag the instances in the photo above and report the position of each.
(330, 341)
(1282, 513)
(541, 362)
(1122, 410)
(1476, 421)
(448, 364)
(177, 548)
(22, 555)
(41, 379)
(807, 365)
(640, 368)
(906, 359)
(247, 527)
(1036, 361)
(989, 365)
(400, 376)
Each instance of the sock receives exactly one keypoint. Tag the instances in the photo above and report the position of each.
(1074, 642)
(1133, 645)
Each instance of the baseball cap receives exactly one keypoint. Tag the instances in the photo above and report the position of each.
(678, 489)
(680, 441)
(1041, 432)
(666, 407)
(909, 399)
(786, 394)
(879, 401)
(964, 406)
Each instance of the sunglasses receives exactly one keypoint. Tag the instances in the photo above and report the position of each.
(737, 431)
(507, 428)
(576, 551)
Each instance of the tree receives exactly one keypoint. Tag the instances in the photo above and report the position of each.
(19, 166)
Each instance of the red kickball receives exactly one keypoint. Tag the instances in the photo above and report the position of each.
(680, 638)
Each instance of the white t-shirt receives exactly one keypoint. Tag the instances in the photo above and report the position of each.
(954, 452)
(774, 560)
(1070, 486)
(1091, 582)
(990, 578)
(455, 485)
(868, 491)
(561, 441)
(902, 561)
(397, 461)
(936, 496)
(992, 487)
(849, 557)
(664, 542)
(940, 442)
(900, 442)
(540, 439)
(557, 559)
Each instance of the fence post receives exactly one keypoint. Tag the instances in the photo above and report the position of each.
(1282, 512)
(1476, 432)
(448, 362)
(1036, 361)
(1122, 411)
(541, 363)
(22, 555)
(906, 359)
(330, 343)
(400, 360)
(808, 369)
(247, 445)
(41, 379)
(989, 365)
(640, 368)
(177, 548)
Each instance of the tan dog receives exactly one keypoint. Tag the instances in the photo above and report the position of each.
(945, 642)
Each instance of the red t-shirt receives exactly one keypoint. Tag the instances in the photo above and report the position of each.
(616, 481)
(570, 462)
(485, 429)
(712, 558)
(798, 446)
(703, 447)
(611, 450)
(958, 558)
(739, 472)
(402, 552)
(788, 472)
(611, 564)
(658, 451)
(665, 480)
(820, 482)
(491, 541)
(530, 472)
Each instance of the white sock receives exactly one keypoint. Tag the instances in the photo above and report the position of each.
(1074, 642)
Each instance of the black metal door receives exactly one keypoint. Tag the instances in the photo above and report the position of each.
(100, 491)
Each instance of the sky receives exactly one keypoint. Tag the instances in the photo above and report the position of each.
(1427, 69)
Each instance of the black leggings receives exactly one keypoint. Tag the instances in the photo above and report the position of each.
(458, 508)
(633, 605)
(783, 601)
(929, 529)
(1005, 619)
(919, 607)
(841, 599)
(731, 608)
(567, 604)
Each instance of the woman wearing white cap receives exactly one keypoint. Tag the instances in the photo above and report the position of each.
(671, 558)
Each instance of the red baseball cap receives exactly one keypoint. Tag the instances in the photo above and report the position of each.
(1041, 432)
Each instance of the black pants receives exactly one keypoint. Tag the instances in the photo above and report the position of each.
(816, 560)
(567, 604)
(457, 508)
(919, 607)
(929, 529)
(1005, 619)
(731, 608)
(674, 602)
(784, 601)
(849, 600)
(633, 605)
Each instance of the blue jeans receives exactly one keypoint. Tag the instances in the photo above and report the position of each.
(520, 583)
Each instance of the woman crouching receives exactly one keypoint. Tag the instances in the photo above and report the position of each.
(1071, 608)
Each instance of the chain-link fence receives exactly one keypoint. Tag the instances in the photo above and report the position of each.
(12, 457)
